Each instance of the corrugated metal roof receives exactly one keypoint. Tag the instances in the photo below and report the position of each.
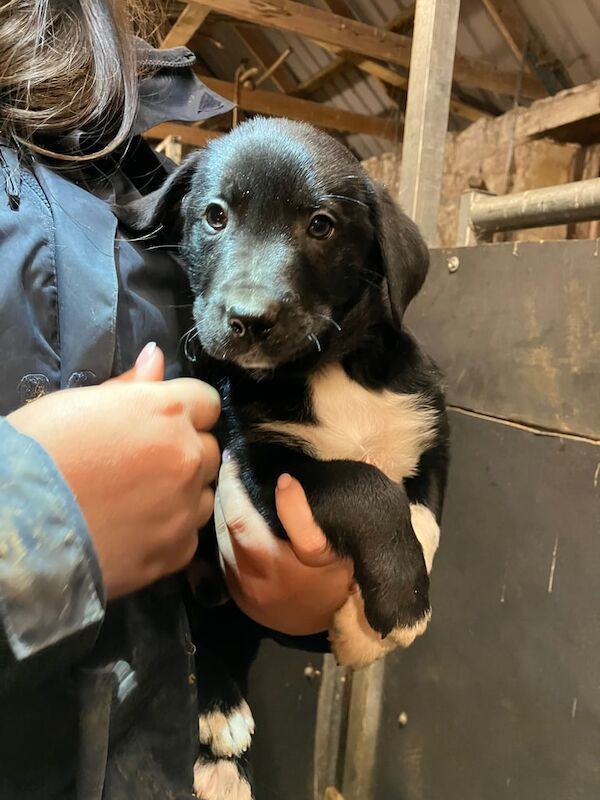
(571, 30)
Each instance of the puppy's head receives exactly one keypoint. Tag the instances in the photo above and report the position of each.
(288, 244)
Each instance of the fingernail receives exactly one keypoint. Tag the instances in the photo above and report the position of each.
(146, 355)
(284, 482)
(226, 457)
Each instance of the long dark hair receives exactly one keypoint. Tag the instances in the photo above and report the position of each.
(68, 65)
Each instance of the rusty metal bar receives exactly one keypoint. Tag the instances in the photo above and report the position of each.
(482, 215)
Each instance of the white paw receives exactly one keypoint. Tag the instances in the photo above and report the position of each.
(230, 734)
(426, 530)
(405, 636)
(355, 644)
(220, 780)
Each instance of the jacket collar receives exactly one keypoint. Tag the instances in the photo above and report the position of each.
(172, 92)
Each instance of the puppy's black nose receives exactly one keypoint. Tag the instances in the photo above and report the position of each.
(247, 320)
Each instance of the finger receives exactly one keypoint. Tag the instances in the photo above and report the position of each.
(246, 543)
(233, 554)
(307, 539)
(150, 366)
(239, 514)
(124, 377)
(201, 400)
(187, 550)
(211, 457)
(205, 507)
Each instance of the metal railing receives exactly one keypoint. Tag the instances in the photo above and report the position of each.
(483, 214)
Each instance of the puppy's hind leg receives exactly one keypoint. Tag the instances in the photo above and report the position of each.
(221, 778)
(226, 644)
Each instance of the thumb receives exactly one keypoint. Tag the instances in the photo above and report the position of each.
(307, 539)
(149, 366)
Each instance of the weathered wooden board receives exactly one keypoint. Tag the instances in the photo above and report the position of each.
(516, 329)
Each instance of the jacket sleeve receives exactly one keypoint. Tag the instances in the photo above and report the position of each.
(51, 594)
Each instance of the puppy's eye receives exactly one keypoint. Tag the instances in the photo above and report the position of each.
(321, 226)
(216, 216)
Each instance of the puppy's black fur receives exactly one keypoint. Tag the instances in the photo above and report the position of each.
(302, 267)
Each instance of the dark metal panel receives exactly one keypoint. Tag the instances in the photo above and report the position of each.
(516, 329)
(284, 704)
(502, 694)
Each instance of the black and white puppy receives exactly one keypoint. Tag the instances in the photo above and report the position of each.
(302, 268)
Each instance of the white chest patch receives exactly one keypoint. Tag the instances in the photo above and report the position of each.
(385, 429)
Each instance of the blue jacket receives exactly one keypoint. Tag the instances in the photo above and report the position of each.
(95, 702)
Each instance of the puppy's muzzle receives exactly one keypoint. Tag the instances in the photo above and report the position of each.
(255, 327)
(252, 317)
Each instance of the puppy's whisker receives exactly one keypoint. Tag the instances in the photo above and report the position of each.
(333, 322)
(190, 356)
(142, 238)
(345, 198)
(187, 339)
(186, 334)
(315, 339)
(164, 247)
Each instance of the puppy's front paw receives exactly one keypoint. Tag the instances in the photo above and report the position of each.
(355, 644)
(220, 779)
(397, 595)
(395, 587)
(227, 733)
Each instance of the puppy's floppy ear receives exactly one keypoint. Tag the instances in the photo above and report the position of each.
(164, 204)
(404, 254)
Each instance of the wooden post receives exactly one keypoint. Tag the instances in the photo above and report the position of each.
(427, 111)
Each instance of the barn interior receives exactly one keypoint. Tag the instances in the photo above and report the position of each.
(482, 117)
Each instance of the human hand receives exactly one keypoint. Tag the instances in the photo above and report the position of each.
(294, 587)
(136, 453)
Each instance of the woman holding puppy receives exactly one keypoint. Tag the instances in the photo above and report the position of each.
(105, 467)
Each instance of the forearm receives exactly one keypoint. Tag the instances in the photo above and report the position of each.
(51, 595)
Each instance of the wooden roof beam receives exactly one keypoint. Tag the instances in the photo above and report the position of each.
(526, 44)
(265, 55)
(339, 63)
(186, 25)
(358, 37)
(397, 24)
(563, 116)
(344, 58)
(188, 134)
(385, 74)
(388, 76)
(553, 116)
(318, 79)
(322, 116)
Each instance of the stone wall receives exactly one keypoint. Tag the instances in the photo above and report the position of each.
(477, 158)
